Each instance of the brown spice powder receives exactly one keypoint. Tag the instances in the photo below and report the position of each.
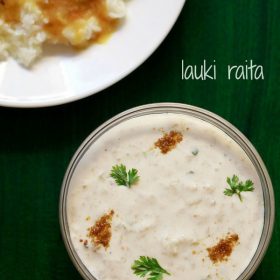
(223, 249)
(100, 233)
(169, 141)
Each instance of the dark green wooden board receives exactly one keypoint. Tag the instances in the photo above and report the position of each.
(36, 145)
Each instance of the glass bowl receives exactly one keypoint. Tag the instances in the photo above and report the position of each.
(159, 108)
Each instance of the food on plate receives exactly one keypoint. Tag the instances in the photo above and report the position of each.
(25, 25)
(162, 196)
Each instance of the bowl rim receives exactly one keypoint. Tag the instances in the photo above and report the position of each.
(179, 108)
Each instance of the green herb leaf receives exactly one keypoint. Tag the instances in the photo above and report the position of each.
(148, 267)
(195, 152)
(122, 177)
(236, 187)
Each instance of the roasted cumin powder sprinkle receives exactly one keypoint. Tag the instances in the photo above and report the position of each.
(100, 234)
(169, 141)
(223, 249)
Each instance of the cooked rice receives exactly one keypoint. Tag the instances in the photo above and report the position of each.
(23, 40)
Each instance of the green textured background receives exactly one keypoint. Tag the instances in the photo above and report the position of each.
(36, 145)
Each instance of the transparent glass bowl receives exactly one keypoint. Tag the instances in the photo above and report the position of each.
(158, 108)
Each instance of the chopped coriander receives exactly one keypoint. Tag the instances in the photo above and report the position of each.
(236, 187)
(148, 267)
(195, 152)
(145, 154)
(122, 177)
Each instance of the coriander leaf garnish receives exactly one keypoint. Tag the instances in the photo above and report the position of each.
(148, 267)
(122, 177)
(236, 187)
(195, 152)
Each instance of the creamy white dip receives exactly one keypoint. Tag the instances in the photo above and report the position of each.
(177, 209)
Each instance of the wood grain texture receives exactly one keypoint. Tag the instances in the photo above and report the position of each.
(36, 145)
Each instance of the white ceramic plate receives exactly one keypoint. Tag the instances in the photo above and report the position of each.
(62, 76)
